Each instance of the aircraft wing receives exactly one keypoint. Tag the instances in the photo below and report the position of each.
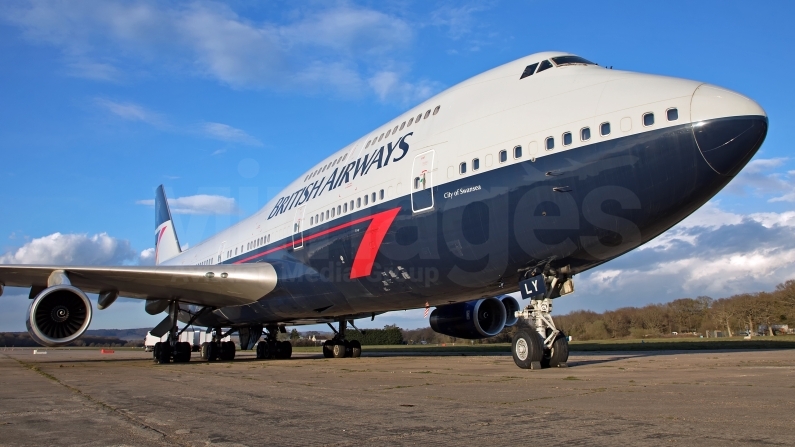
(208, 285)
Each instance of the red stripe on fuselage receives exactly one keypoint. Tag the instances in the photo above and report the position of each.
(365, 255)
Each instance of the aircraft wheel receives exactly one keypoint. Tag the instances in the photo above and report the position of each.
(559, 353)
(338, 349)
(287, 350)
(262, 350)
(527, 349)
(163, 353)
(356, 349)
(182, 352)
(227, 351)
(327, 348)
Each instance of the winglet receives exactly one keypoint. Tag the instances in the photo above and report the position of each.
(166, 242)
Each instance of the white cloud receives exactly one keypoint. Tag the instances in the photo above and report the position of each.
(131, 112)
(147, 257)
(226, 132)
(389, 84)
(758, 178)
(713, 252)
(72, 249)
(332, 47)
(199, 204)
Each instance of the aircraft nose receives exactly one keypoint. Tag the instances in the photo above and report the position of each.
(728, 127)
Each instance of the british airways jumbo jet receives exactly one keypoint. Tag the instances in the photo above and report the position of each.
(520, 177)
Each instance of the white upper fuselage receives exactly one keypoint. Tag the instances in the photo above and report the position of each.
(477, 119)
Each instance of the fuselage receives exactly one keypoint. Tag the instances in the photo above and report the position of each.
(572, 165)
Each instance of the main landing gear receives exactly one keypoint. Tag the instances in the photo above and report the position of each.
(542, 345)
(173, 349)
(271, 348)
(338, 347)
(217, 349)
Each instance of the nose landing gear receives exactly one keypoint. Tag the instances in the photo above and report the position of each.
(543, 345)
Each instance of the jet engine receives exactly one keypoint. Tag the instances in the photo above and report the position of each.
(58, 315)
(481, 318)
(511, 307)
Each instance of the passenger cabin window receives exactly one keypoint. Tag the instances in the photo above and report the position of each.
(373, 197)
(358, 203)
(550, 143)
(585, 133)
(345, 207)
(462, 168)
(419, 117)
(648, 119)
(571, 60)
(427, 114)
(403, 125)
(503, 156)
(544, 66)
(339, 209)
(365, 200)
(476, 164)
(604, 129)
(517, 152)
(351, 205)
(529, 70)
(436, 110)
(411, 120)
(416, 183)
(381, 137)
(567, 138)
(672, 114)
(381, 195)
(332, 212)
(394, 131)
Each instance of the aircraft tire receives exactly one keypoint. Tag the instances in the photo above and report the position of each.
(163, 354)
(559, 354)
(287, 350)
(356, 349)
(338, 350)
(527, 349)
(262, 350)
(227, 351)
(182, 352)
(327, 345)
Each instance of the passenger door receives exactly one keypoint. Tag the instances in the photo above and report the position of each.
(422, 182)
(298, 228)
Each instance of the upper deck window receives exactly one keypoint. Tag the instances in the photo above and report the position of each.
(672, 114)
(544, 66)
(503, 156)
(529, 70)
(571, 60)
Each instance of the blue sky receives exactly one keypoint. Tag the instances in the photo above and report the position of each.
(225, 103)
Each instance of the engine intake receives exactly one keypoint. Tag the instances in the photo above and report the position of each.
(58, 315)
(481, 318)
(511, 307)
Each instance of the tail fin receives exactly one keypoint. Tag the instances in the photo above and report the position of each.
(166, 242)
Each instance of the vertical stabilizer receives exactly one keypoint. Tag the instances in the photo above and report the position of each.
(166, 242)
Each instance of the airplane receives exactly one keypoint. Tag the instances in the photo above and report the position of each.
(516, 179)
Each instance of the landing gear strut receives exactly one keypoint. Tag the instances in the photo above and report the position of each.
(338, 347)
(546, 346)
(272, 348)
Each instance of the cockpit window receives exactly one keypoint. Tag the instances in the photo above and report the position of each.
(570, 60)
(544, 65)
(529, 70)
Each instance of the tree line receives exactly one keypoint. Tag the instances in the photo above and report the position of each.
(742, 313)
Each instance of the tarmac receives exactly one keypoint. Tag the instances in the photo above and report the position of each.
(83, 397)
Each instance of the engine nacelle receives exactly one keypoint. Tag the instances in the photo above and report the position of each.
(481, 318)
(511, 307)
(58, 315)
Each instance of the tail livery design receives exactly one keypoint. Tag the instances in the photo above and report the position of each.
(166, 242)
